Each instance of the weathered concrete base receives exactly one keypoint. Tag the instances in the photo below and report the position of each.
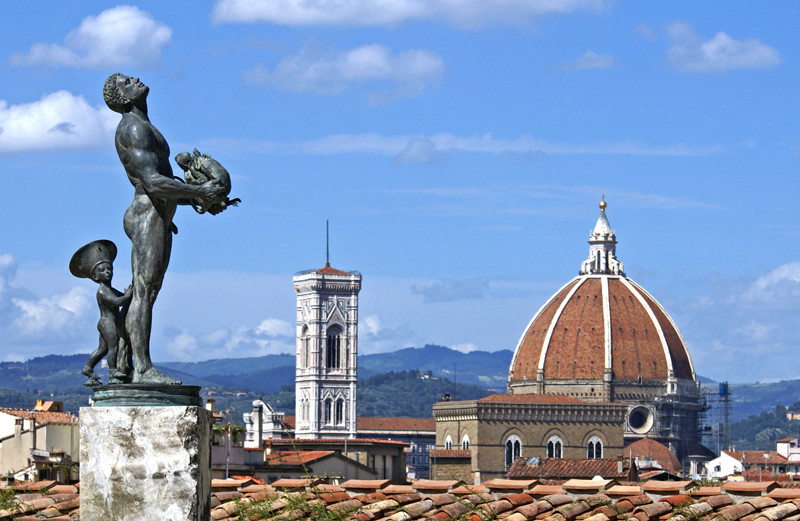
(145, 463)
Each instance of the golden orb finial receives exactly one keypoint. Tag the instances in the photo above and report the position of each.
(603, 203)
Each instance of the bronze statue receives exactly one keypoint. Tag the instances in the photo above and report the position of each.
(95, 261)
(144, 153)
(200, 168)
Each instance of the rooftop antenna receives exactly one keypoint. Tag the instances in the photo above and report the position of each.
(327, 245)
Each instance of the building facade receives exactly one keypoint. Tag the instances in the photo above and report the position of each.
(42, 443)
(604, 338)
(327, 353)
(490, 434)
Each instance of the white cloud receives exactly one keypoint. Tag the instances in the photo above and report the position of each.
(465, 348)
(449, 290)
(120, 36)
(733, 322)
(780, 285)
(418, 150)
(56, 121)
(437, 144)
(467, 13)
(52, 315)
(375, 337)
(328, 71)
(590, 60)
(756, 330)
(690, 52)
(26, 318)
(270, 336)
(183, 347)
(274, 327)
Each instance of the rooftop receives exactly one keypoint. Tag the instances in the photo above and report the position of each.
(512, 500)
(42, 416)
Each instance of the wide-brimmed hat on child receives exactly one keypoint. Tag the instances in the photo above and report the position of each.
(89, 256)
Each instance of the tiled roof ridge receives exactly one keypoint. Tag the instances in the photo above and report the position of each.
(41, 417)
(449, 500)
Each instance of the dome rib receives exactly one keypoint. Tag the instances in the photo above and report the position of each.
(679, 356)
(554, 321)
(653, 319)
(527, 342)
(606, 325)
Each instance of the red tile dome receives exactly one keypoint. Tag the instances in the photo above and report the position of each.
(600, 326)
(599, 322)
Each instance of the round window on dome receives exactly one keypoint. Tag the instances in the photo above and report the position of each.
(640, 419)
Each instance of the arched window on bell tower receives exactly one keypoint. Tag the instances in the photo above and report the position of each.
(333, 348)
(339, 411)
(305, 348)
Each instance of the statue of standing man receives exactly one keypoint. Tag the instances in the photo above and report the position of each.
(144, 153)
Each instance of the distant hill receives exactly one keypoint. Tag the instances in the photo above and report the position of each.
(752, 399)
(488, 370)
(232, 366)
(268, 374)
(238, 381)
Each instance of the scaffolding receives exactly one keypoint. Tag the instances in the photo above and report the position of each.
(715, 420)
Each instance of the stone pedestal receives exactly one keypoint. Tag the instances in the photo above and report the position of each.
(144, 463)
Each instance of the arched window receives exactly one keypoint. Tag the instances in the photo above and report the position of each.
(448, 442)
(554, 447)
(465, 442)
(304, 348)
(594, 449)
(513, 449)
(333, 348)
(339, 411)
(328, 411)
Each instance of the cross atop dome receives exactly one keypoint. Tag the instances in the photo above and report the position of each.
(602, 248)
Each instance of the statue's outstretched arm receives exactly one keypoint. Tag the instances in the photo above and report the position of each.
(144, 165)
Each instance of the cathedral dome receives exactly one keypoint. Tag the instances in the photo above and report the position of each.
(600, 328)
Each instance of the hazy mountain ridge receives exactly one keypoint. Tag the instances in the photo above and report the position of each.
(60, 376)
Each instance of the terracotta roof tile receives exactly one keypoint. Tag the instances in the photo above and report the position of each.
(749, 486)
(469, 489)
(42, 417)
(707, 491)
(365, 484)
(328, 270)
(587, 484)
(285, 457)
(432, 484)
(755, 457)
(650, 449)
(403, 506)
(624, 490)
(296, 483)
(667, 487)
(785, 493)
(509, 484)
(545, 490)
(398, 489)
(563, 468)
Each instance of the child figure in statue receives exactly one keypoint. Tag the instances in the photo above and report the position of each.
(94, 261)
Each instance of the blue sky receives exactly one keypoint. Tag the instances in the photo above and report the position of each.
(459, 150)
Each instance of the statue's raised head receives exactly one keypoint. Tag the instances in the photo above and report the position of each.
(112, 94)
(114, 91)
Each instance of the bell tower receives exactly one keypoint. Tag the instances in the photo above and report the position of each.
(327, 353)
